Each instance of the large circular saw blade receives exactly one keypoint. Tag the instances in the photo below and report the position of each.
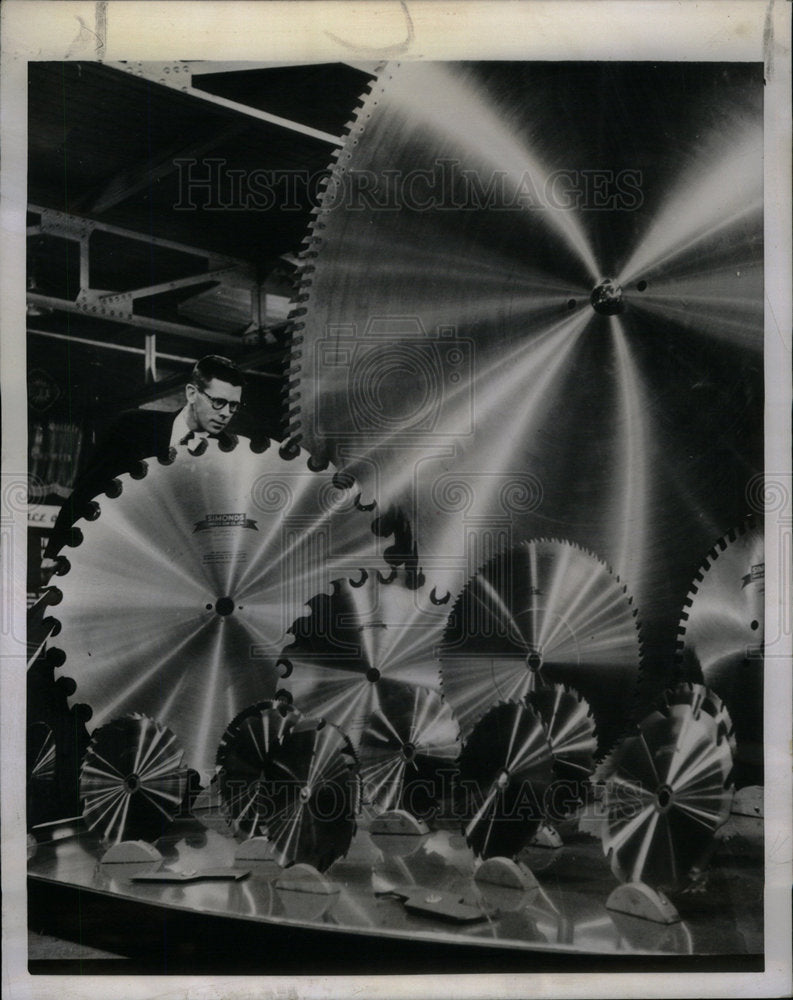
(132, 781)
(562, 328)
(506, 768)
(721, 635)
(408, 751)
(370, 629)
(544, 612)
(666, 794)
(178, 598)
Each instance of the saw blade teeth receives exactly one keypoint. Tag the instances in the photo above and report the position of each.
(720, 641)
(132, 779)
(704, 702)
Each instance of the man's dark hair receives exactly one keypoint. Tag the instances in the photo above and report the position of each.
(214, 366)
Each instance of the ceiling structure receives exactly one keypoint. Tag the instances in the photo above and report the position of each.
(166, 203)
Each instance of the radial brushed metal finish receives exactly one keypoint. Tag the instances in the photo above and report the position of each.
(480, 207)
(408, 751)
(370, 629)
(571, 730)
(722, 634)
(544, 612)
(178, 599)
(132, 780)
(666, 795)
(243, 759)
(506, 768)
(310, 791)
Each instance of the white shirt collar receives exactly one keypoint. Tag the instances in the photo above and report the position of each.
(180, 428)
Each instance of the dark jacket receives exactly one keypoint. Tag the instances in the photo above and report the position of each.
(136, 435)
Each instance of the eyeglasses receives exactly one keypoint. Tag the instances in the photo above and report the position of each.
(218, 402)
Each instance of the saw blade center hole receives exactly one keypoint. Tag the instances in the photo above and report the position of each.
(408, 751)
(373, 675)
(663, 798)
(224, 606)
(606, 297)
(132, 783)
(534, 661)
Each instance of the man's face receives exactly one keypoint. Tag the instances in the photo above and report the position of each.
(200, 408)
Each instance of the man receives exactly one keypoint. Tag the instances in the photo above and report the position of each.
(213, 395)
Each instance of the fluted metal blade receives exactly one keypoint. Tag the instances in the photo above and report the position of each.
(571, 730)
(177, 600)
(132, 780)
(369, 630)
(544, 612)
(408, 751)
(243, 757)
(721, 637)
(666, 793)
(506, 767)
(314, 786)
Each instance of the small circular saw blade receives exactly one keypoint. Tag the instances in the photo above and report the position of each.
(178, 598)
(541, 613)
(408, 750)
(571, 730)
(318, 795)
(666, 793)
(721, 636)
(302, 792)
(132, 781)
(506, 767)
(242, 759)
(369, 630)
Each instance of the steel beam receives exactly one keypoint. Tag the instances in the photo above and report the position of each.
(95, 310)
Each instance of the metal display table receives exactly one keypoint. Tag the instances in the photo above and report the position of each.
(251, 922)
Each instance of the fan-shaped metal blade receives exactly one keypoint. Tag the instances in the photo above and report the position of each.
(179, 596)
(498, 382)
(665, 796)
(408, 751)
(571, 730)
(542, 613)
(132, 780)
(506, 767)
(243, 757)
(304, 790)
(369, 630)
